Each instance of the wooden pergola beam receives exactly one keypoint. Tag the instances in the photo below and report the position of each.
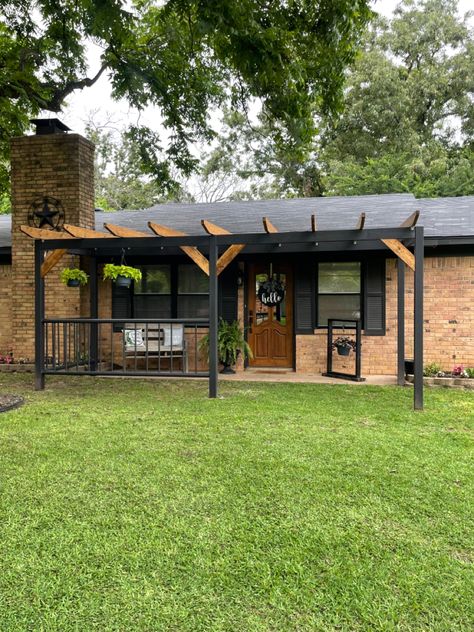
(51, 260)
(121, 231)
(214, 229)
(401, 251)
(192, 252)
(43, 233)
(268, 226)
(85, 233)
(411, 221)
(360, 222)
(232, 251)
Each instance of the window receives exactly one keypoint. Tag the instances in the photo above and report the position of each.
(339, 291)
(193, 292)
(152, 295)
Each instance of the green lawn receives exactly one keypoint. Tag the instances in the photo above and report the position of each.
(129, 505)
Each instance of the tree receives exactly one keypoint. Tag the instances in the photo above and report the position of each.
(121, 181)
(408, 123)
(184, 57)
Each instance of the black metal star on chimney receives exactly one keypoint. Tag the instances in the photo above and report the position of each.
(46, 212)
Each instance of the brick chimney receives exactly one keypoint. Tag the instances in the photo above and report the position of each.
(51, 164)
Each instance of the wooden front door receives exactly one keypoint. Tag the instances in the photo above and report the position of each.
(270, 329)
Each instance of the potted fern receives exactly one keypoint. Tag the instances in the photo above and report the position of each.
(74, 277)
(230, 344)
(121, 275)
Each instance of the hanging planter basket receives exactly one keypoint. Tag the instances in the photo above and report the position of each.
(121, 275)
(74, 277)
(123, 281)
(344, 345)
(343, 350)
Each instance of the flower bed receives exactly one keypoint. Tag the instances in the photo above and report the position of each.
(447, 381)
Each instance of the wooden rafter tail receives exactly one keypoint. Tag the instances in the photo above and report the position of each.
(43, 233)
(360, 222)
(268, 226)
(165, 231)
(192, 252)
(411, 221)
(213, 229)
(86, 233)
(401, 251)
(121, 231)
(51, 260)
(314, 225)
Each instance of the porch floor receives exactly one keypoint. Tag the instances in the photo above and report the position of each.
(278, 375)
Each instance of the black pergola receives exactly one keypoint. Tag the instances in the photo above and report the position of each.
(94, 244)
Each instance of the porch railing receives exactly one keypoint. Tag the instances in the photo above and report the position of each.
(111, 346)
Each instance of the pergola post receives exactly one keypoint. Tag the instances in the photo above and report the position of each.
(400, 322)
(94, 311)
(418, 324)
(213, 317)
(39, 317)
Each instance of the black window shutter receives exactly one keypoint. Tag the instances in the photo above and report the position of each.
(374, 297)
(304, 298)
(228, 294)
(121, 303)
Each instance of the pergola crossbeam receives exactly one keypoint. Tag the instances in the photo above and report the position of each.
(121, 231)
(411, 221)
(86, 233)
(43, 233)
(268, 226)
(192, 252)
(360, 222)
(232, 251)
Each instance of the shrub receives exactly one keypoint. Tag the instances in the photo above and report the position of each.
(470, 372)
(431, 370)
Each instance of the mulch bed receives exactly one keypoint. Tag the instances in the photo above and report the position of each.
(7, 402)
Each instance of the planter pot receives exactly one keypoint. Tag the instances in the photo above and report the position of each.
(73, 283)
(409, 367)
(344, 351)
(122, 281)
(227, 369)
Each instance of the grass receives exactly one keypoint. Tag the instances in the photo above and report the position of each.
(129, 505)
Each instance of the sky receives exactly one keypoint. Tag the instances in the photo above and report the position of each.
(98, 97)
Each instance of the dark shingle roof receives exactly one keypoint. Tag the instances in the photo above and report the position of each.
(441, 217)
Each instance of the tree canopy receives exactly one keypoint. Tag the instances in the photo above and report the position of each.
(407, 122)
(185, 57)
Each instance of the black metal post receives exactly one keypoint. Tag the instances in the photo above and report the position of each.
(39, 317)
(400, 322)
(94, 312)
(358, 358)
(418, 324)
(213, 317)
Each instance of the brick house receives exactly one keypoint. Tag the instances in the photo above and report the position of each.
(354, 281)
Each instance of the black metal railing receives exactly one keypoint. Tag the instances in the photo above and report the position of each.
(132, 346)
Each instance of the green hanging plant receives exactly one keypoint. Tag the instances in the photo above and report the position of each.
(74, 277)
(112, 271)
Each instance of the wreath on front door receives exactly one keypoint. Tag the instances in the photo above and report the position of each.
(271, 292)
